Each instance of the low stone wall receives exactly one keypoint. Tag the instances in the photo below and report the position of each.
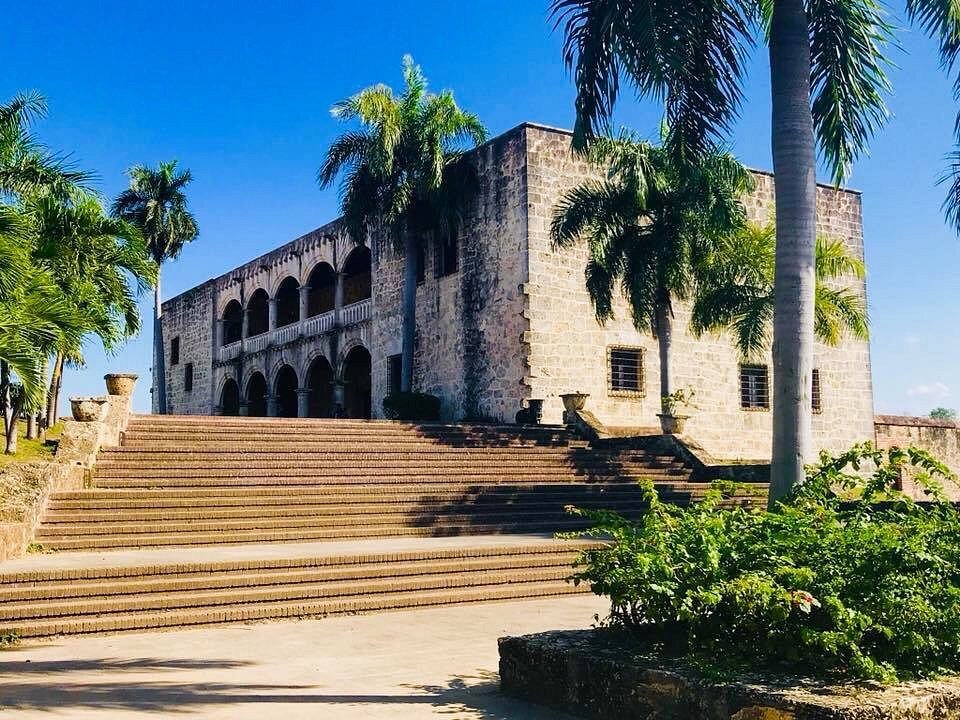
(594, 674)
(76, 453)
(941, 438)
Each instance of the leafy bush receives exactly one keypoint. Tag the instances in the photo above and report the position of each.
(846, 579)
(412, 406)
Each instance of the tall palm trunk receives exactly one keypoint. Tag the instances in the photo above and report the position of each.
(53, 396)
(409, 310)
(664, 320)
(794, 167)
(159, 365)
(9, 411)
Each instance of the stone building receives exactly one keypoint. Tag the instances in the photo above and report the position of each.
(313, 327)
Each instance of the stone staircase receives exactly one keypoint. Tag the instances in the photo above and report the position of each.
(198, 520)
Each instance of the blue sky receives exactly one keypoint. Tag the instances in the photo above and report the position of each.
(240, 93)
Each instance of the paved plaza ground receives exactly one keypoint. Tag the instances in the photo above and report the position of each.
(439, 662)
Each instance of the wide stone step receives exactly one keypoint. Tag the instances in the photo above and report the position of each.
(239, 537)
(245, 612)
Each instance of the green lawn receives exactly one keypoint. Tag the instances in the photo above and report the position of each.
(28, 450)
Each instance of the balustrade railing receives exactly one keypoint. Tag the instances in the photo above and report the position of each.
(285, 334)
(230, 352)
(318, 324)
(357, 312)
(256, 343)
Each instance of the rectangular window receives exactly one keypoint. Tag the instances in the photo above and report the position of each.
(396, 367)
(754, 387)
(446, 250)
(815, 394)
(175, 351)
(625, 367)
(188, 377)
(421, 261)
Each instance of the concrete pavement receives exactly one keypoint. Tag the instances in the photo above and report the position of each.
(428, 663)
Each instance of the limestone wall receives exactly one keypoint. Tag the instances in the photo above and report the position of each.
(189, 317)
(469, 323)
(567, 349)
(941, 438)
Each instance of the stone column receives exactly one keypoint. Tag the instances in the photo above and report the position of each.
(245, 333)
(339, 398)
(244, 408)
(338, 300)
(304, 301)
(272, 405)
(220, 332)
(303, 402)
(272, 323)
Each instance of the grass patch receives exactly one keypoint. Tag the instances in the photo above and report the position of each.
(32, 450)
(9, 640)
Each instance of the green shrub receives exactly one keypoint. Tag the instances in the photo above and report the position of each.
(412, 406)
(847, 579)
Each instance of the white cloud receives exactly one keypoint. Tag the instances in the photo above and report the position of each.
(934, 390)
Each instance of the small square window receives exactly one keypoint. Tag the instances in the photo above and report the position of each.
(446, 250)
(815, 392)
(625, 367)
(754, 387)
(188, 377)
(175, 351)
(396, 367)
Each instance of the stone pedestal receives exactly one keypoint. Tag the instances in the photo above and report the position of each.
(272, 405)
(303, 402)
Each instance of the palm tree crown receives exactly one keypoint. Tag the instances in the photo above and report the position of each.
(736, 291)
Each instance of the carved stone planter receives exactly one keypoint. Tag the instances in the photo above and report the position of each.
(120, 383)
(574, 402)
(672, 424)
(87, 409)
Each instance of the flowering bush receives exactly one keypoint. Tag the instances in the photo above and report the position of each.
(847, 578)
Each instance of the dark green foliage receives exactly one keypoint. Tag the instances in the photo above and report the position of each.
(848, 578)
(412, 407)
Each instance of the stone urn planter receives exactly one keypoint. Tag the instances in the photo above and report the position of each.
(672, 424)
(120, 383)
(574, 402)
(87, 409)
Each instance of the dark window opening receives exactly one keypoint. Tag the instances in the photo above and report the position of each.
(815, 394)
(421, 260)
(188, 377)
(396, 370)
(356, 276)
(288, 302)
(323, 289)
(232, 322)
(258, 313)
(447, 254)
(625, 370)
(175, 351)
(754, 387)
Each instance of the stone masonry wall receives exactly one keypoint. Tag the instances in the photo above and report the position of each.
(189, 317)
(941, 438)
(469, 323)
(568, 349)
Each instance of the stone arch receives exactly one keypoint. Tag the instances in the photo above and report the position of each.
(258, 313)
(356, 275)
(285, 385)
(323, 289)
(319, 380)
(229, 397)
(288, 301)
(232, 322)
(256, 395)
(356, 377)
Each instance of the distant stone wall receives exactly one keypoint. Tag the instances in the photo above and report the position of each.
(567, 348)
(941, 438)
(190, 318)
(469, 323)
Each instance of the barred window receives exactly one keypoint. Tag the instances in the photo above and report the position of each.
(815, 395)
(188, 377)
(396, 371)
(625, 370)
(754, 387)
(175, 351)
(446, 250)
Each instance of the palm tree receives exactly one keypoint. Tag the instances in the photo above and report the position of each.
(404, 173)
(100, 263)
(650, 225)
(736, 291)
(827, 72)
(156, 204)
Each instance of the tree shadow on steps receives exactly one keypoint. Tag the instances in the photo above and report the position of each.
(19, 668)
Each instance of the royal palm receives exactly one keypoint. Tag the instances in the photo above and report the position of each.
(404, 174)
(650, 224)
(156, 203)
(827, 84)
